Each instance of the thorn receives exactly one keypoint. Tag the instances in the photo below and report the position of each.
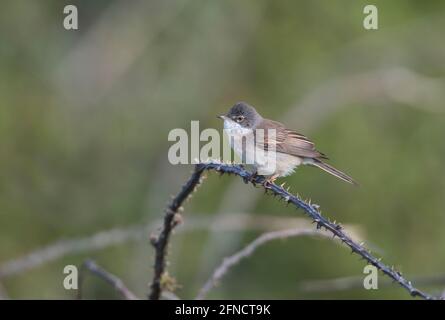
(319, 225)
(177, 219)
(153, 239)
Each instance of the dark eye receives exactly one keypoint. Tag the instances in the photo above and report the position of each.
(239, 118)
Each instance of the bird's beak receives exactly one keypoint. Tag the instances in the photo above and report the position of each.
(221, 117)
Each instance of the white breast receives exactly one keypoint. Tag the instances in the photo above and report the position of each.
(267, 163)
(236, 135)
(234, 127)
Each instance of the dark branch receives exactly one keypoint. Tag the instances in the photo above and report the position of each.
(309, 209)
(171, 219)
(321, 222)
(117, 283)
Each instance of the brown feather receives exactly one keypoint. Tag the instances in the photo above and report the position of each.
(288, 141)
(335, 172)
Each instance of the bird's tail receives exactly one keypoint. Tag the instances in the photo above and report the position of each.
(330, 169)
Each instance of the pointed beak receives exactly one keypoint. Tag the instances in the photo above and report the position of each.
(221, 117)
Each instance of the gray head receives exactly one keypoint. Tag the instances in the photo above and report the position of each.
(243, 114)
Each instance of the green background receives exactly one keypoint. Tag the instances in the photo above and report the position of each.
(84, 119)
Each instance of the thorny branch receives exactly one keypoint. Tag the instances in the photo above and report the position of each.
(311, 210)
(171, 220)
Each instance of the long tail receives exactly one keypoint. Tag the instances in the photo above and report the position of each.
(330, 169)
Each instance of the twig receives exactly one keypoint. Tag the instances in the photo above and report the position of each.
(312, 211)
(247, 251)
(62, 248)
(171, 220)
(117, 283)
(106, 238)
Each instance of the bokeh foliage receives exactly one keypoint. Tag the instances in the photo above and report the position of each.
(84, 118)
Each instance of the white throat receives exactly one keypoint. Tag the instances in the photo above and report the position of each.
(235, 128)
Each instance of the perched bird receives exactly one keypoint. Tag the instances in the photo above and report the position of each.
(277, 151)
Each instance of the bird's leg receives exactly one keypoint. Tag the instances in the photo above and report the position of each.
(270, 180)
(253, 175)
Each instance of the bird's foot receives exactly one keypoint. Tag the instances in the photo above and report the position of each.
(253, 176)
(269, 181)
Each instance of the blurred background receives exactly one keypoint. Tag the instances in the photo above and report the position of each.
(85, 114)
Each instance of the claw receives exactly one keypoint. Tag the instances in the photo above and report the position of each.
(270, 180)
(253, 176)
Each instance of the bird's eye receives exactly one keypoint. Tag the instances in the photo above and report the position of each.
(239, 118)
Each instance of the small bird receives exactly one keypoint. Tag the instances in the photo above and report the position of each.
(290, 149)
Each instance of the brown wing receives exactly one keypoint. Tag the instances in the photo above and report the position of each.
(287, 141)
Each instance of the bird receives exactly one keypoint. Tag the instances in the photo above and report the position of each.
(273, 150)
